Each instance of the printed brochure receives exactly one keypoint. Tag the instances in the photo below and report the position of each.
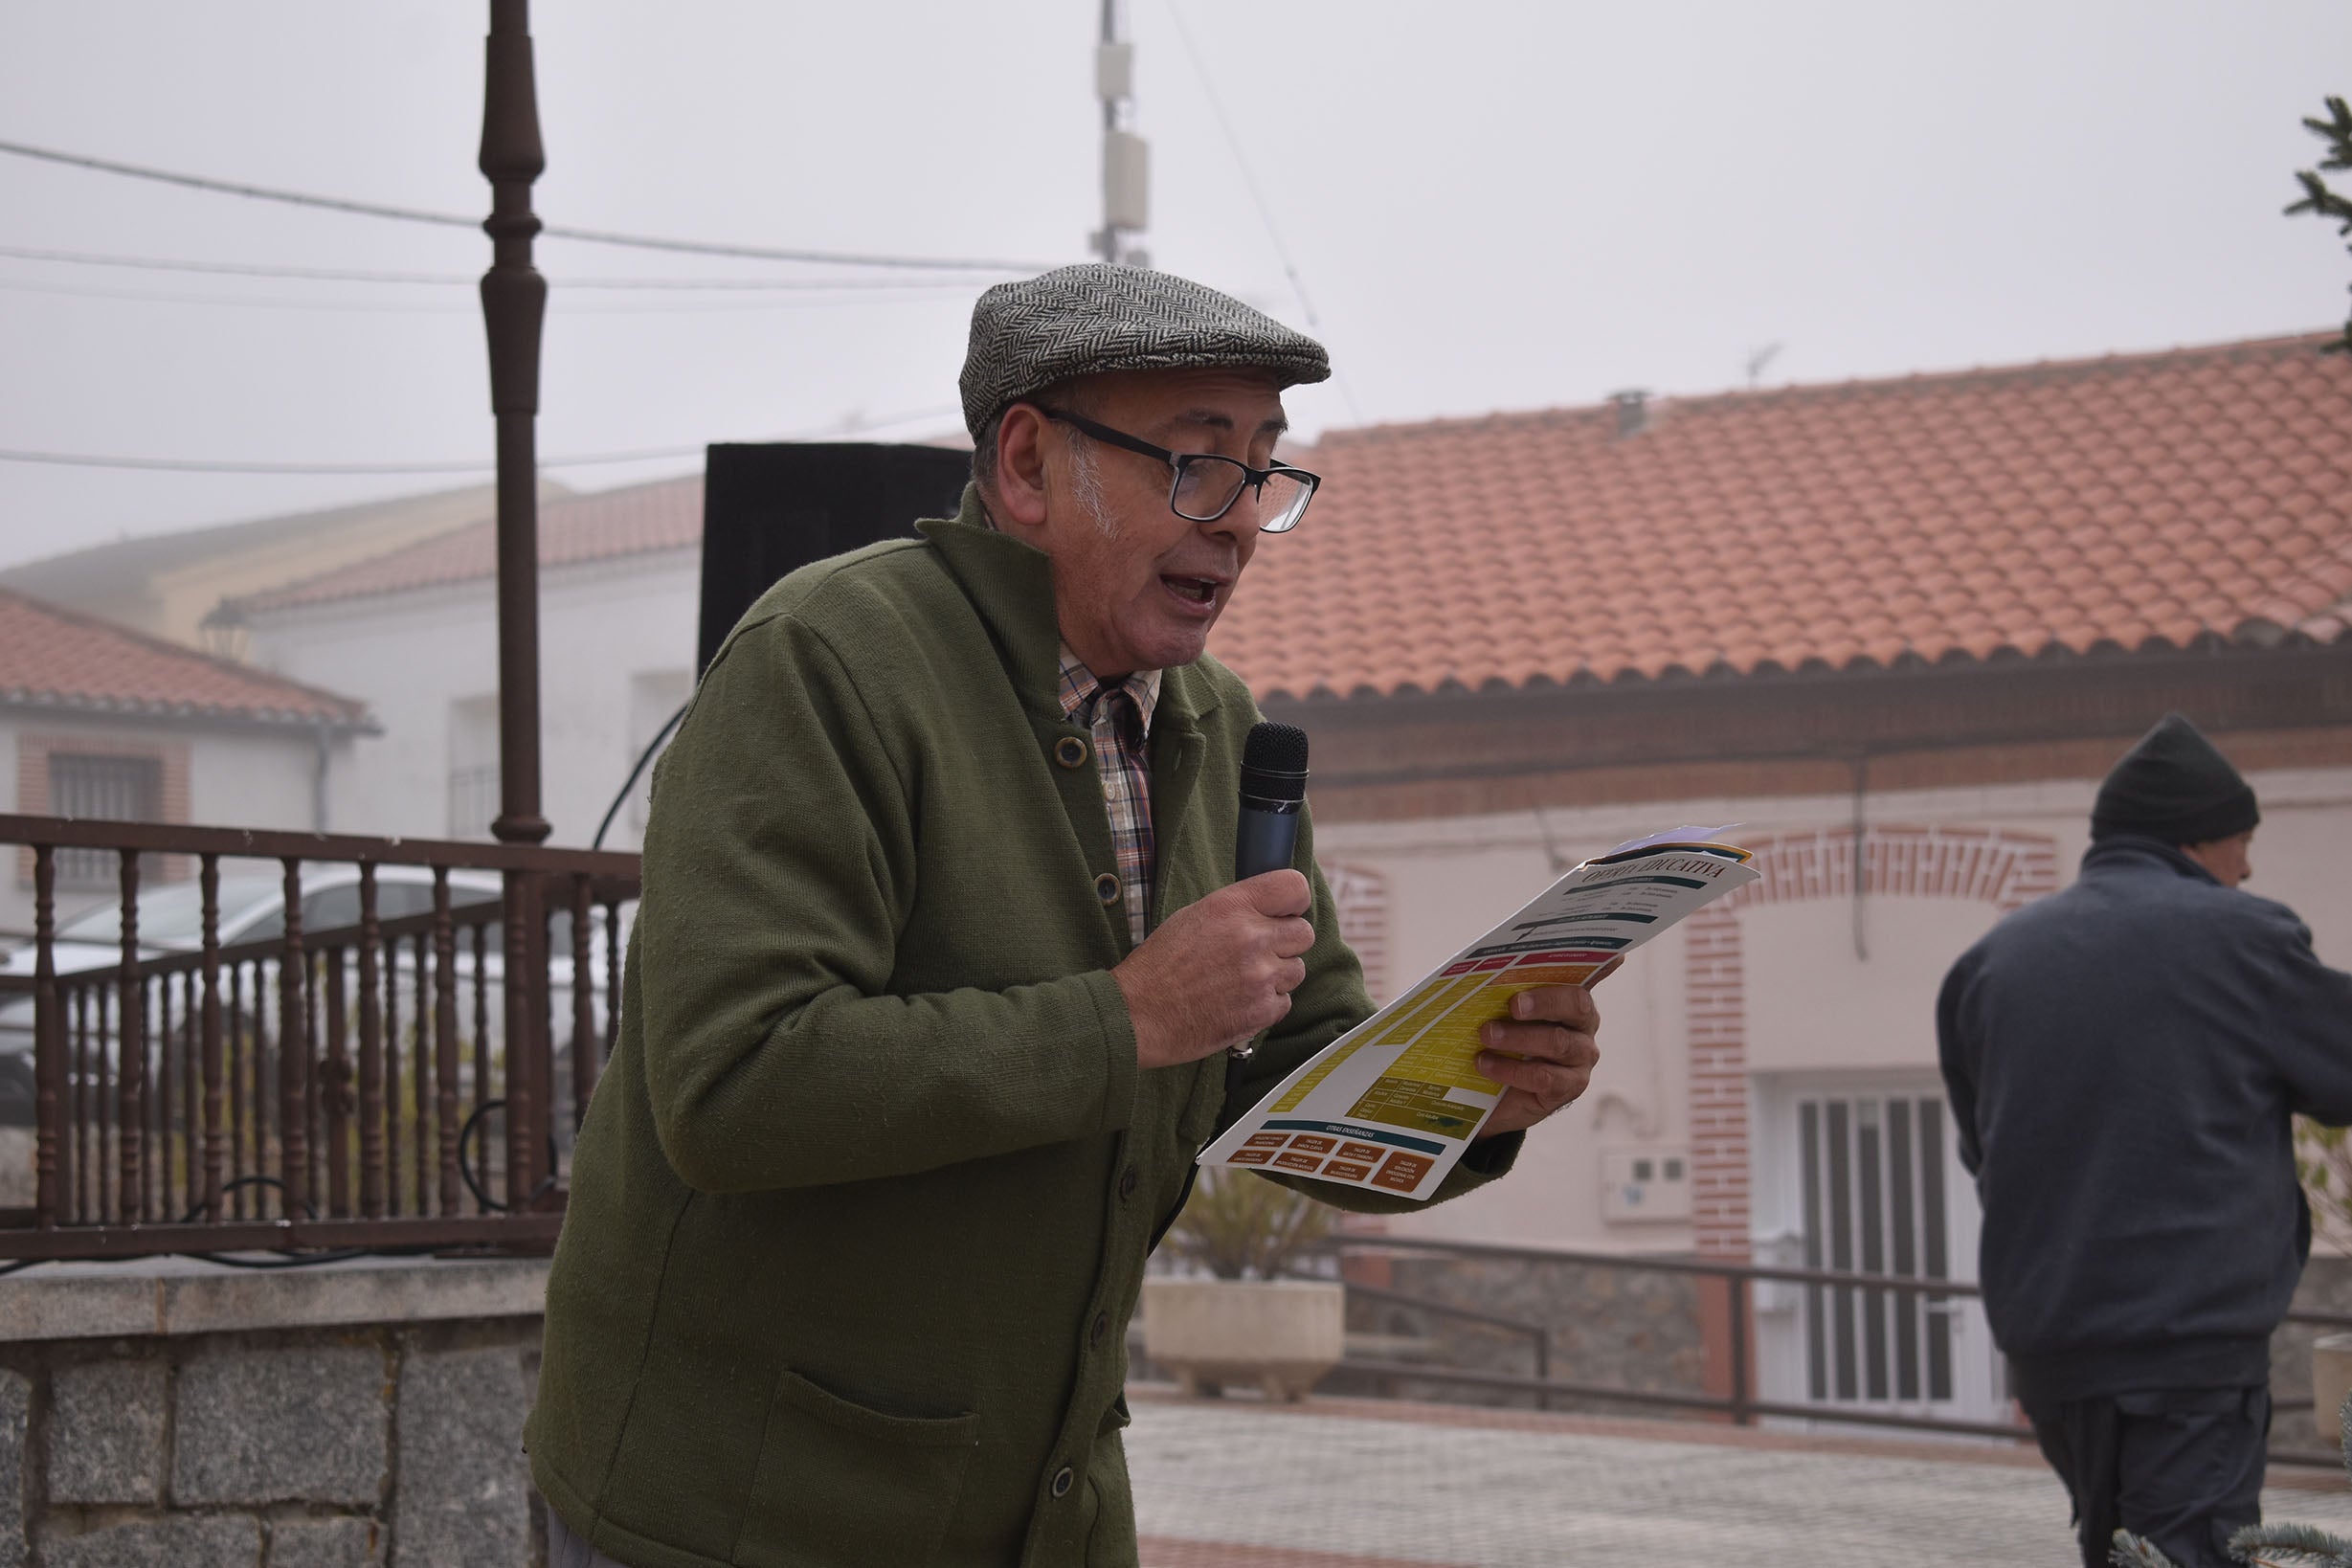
(1392, 1103)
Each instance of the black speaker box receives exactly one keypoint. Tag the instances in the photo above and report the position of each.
(769, 509)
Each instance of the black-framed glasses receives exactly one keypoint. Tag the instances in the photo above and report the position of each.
(1206, 485)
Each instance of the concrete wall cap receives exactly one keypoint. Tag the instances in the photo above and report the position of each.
(168, 1296)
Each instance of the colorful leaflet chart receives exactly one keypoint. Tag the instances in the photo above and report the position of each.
(1394, 1101)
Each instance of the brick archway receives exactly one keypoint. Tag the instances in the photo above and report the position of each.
(1993, 866)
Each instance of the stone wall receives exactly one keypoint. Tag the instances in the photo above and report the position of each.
(1622, 1328)
(178, 1415)
(1641, 1331)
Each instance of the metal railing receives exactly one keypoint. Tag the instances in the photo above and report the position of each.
(1537, 1335)
(1741, 1402)
(291, 1040)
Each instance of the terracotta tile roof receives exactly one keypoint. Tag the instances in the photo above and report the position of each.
(58, 659)
(665, 514)
(2127, 502)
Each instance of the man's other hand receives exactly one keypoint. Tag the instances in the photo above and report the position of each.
(1543, 1054)
(1220, 971)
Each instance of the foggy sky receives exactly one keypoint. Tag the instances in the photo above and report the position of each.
(1490, 204)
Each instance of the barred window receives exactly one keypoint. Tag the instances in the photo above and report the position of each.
(116, 789)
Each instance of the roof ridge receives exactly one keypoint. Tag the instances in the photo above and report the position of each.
(323, 587)
(227, 611)
(1748, 397)
(314, 516)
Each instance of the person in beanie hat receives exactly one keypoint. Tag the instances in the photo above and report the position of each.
(929, 1000)
(2174, 787)
(2122, 1060)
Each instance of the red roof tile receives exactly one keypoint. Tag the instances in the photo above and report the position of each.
(665, 514)
(54, 658)
(2116, 504)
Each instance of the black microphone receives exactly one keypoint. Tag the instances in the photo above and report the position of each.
(1273, 791)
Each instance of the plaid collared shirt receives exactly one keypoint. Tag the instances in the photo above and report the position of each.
(1120, 717)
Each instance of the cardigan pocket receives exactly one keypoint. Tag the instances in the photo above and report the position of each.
(839, 1484)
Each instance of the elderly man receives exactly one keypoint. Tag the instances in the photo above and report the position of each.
(2122, 1059)
(927, 1006)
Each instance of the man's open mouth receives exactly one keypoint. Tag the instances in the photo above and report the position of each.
(1199, 590)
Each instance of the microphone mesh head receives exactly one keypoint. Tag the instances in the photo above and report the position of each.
(1275, 761)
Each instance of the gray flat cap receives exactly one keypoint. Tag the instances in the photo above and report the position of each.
(1089, 319)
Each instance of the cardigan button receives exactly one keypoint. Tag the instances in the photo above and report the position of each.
(1064, 1478)
(1129, 1180)
(1071, 752)
(1096, 1329)
(1107, 888)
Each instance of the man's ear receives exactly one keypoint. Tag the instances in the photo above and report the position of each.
(1020, 465)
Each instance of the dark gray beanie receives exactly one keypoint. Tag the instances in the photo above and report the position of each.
(2175, 787)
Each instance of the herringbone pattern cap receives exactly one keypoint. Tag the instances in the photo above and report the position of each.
(1093, 318)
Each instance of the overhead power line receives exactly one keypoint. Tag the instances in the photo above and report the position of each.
(204, 465)
(550, 231)
(1249, 181)
(199, 465)
(799, 301)
(463, 279)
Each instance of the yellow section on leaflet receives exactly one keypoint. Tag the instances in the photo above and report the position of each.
(1427, 1008)
(1445, 1055)
(1422, 1108)
(1315, 1074)
(1399, 1029)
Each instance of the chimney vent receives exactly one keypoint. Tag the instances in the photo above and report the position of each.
(1632, 411)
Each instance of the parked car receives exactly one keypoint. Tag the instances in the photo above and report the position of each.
(251, 909)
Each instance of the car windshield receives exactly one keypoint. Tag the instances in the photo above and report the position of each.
(173, 916)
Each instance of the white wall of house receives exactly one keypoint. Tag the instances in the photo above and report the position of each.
(242, 776)
(1818, 1011)
(616, 641)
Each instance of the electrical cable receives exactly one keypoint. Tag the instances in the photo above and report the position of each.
(199, 465)
(550, 231)
(460, 279)
(1249, 181)
(284, 1259)
(630, 783)
(466, 1171)
(801, 301)
(202, 465)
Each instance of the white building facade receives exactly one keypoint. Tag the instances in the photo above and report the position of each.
(618, 601)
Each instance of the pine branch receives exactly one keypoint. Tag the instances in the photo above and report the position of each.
(2318, 200)
(2133, 1552)
(2336, 130)
(2290, 1546)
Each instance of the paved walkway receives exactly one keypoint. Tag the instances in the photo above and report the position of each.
(1364, 1483)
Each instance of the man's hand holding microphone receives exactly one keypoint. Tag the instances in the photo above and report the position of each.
(1220, 971)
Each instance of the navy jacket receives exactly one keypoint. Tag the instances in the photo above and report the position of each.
(2122, 1059)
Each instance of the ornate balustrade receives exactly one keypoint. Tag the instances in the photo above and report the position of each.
(294, 1040)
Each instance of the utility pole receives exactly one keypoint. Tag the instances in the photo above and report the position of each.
(1126, 158)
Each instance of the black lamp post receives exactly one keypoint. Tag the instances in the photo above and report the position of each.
(514, 299)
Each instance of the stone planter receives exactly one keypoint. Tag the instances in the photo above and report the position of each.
(1282, 1336)
(2331, 1379)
